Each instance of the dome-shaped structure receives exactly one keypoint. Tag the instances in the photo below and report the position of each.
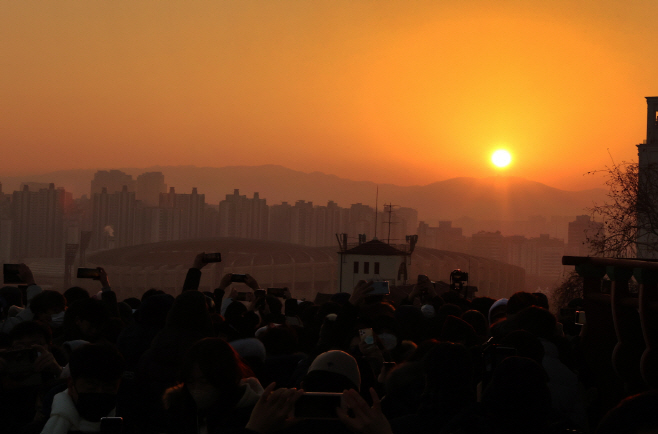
(305, 270)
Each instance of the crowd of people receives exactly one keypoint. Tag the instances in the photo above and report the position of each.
(209, 362)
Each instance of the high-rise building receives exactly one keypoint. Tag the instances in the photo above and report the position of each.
(113, 181)
(113, 219)
(191, 206)
(301, 223)
(488, 244)
(443, 237)
(279, 222)
(37, 222)
(242, 217)
(362, 221)
(579, 230)
(149, 186)
(327, 222)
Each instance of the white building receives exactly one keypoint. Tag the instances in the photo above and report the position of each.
(373, 260)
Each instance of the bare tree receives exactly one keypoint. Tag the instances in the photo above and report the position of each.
(630, 215)
(570, 288)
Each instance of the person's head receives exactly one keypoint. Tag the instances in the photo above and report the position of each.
(46, 304)
(518, 398)
(133, 302)
(633, 415)
(458, 331)
(211, 373)
(478, 322)
(526, 344)
(332, 371)
(190, 312)
(279, 340)
(542, 299)
(519, 301)
(449, 373)
(497, 311)
(29, 333)
(151, 292)
(96, 372)
(90, 317)
(74, 294)
(537, 321)
(482, 305)
(153, 311)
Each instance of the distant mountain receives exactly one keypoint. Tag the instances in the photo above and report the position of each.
(494, 198)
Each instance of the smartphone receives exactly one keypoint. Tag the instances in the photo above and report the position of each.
(11, 274)
(580, 317)
(89, 273)
(111, 425)
(209, 258)
(259, 293)
(242, 296)
(277, 292)
(380, 288)
(367, 336)
(318, 405)
(238, 278)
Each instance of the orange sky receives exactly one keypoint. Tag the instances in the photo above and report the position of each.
(406, 92)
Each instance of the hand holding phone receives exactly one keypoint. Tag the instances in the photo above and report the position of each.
(272, 409)
(239, 278)
(89, 273)
(209, 258)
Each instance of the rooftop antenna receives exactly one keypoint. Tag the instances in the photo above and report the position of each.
(376, 210)
(390, 220)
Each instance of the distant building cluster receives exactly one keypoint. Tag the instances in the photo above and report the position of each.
(540, 257)
(40, 220)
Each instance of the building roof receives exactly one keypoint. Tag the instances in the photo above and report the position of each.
(375, 247)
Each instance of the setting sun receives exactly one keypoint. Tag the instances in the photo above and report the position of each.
(501, 158)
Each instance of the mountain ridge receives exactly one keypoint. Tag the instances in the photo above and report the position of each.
(491, 198)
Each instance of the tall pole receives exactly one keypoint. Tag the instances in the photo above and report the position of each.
(376, 209)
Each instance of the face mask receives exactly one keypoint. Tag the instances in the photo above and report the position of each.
(57, 319)
(388, 340)
(204, 396)
(93, 406)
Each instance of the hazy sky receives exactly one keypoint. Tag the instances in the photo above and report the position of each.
(406, 92)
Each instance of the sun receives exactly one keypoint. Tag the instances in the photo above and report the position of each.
(501, 158)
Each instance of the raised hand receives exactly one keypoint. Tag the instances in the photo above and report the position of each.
(366, 419)
(198, 261)
(273, 409)
(360, 292)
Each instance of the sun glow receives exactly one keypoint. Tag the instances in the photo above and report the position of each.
(501, 158)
